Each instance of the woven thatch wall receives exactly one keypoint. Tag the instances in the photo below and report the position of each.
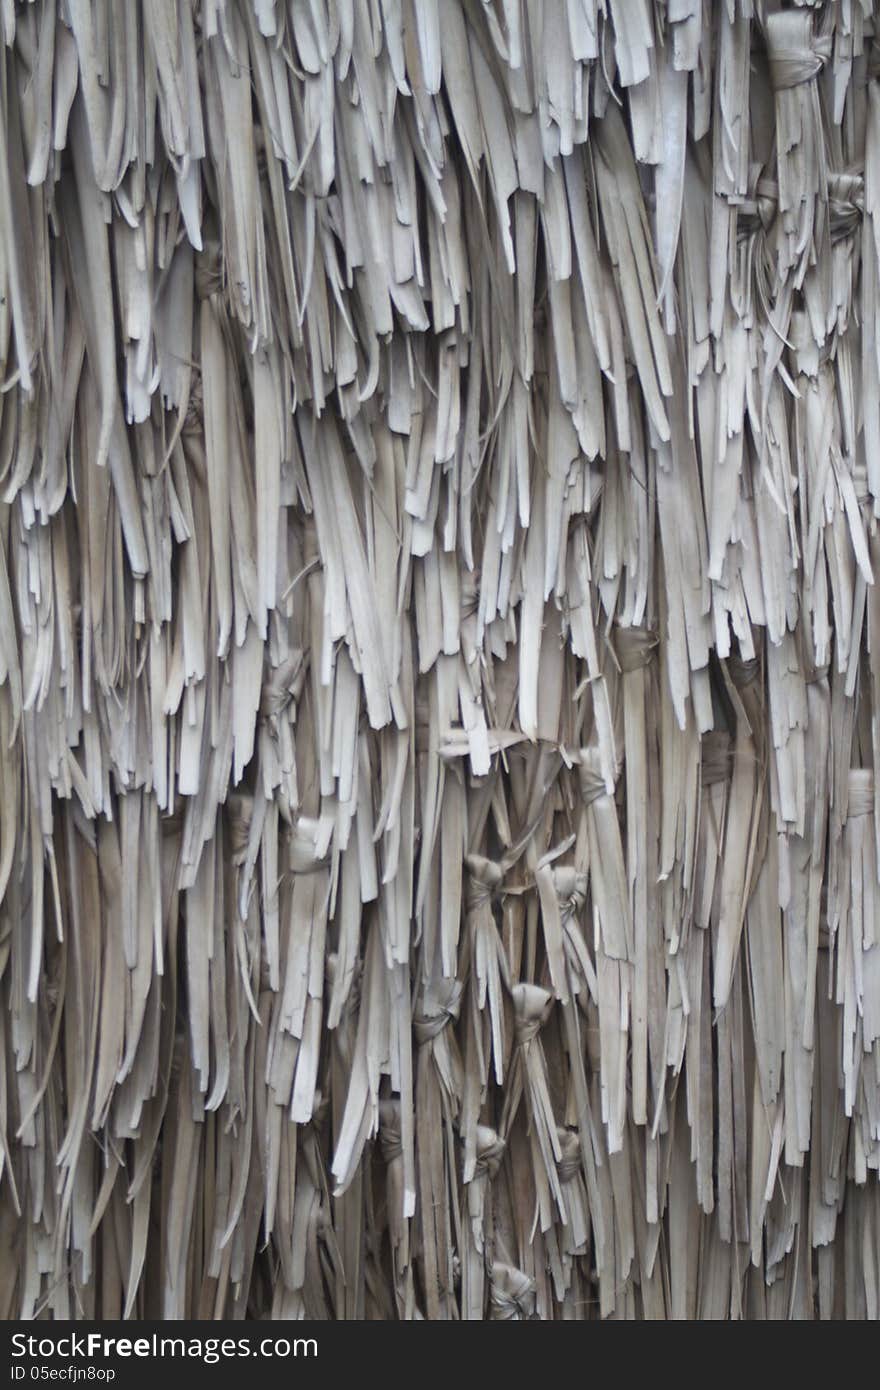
(439, 658)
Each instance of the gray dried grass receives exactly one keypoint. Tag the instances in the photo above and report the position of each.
(439, 659)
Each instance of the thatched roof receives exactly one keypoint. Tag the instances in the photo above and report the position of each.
(439, 659)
